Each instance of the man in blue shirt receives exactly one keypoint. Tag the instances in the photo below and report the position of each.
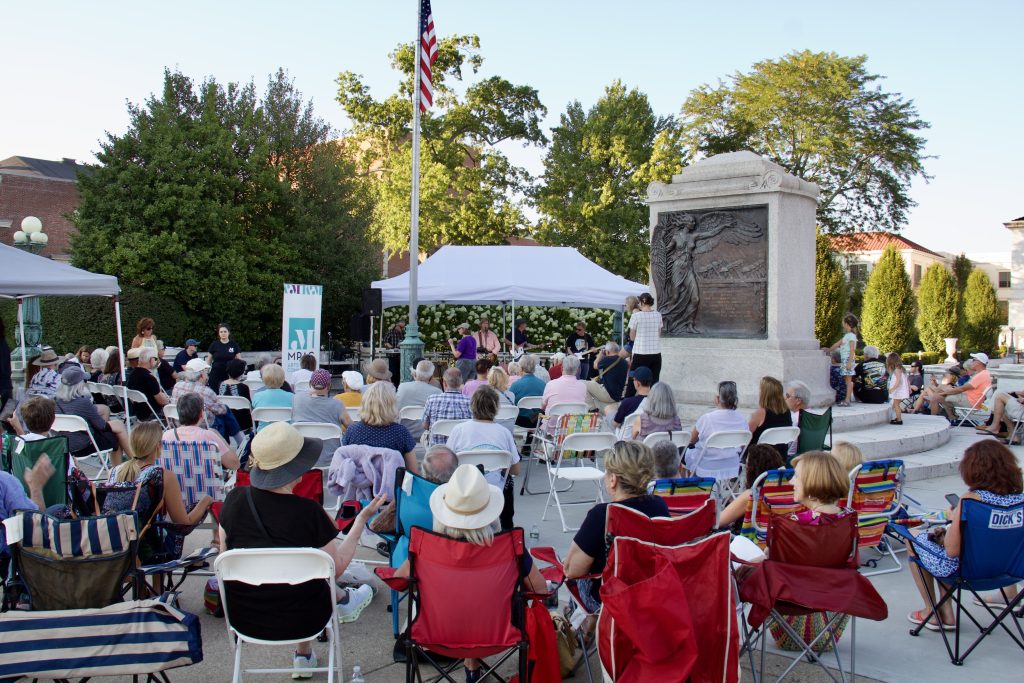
(185, 355)
(607, 388)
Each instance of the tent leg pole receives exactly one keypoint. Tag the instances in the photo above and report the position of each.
(21, 328)
(124, 377)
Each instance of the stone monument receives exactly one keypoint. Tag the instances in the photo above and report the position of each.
(732, 269)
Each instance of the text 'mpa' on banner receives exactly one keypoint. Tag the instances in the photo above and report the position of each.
(300, 324)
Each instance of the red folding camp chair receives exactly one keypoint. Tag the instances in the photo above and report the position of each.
(668, 612)
(466, 601)
(810, 569)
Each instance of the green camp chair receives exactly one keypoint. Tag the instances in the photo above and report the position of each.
(20, 455)
(814, 429)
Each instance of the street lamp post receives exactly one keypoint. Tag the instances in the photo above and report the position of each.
(32, 239)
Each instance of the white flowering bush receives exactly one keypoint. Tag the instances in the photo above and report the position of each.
(545, 323)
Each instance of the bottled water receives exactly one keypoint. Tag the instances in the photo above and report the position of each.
(534, 536)
(357, 675)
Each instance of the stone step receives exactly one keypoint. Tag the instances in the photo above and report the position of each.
(917, 434)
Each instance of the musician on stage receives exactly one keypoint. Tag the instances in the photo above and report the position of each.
(394, 338)
(487, 342)
(519, 342)
(579, 343)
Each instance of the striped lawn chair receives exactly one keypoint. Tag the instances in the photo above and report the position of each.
(772, 492)
(684, 494)
(70, 563)
(141, 637)
(876, 493)
(551, 442)
(197, 466)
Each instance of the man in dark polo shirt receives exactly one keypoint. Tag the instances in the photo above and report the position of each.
(610, 381)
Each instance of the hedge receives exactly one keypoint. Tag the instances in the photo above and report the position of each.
(70, 322)
(545, 324)
(927, 357)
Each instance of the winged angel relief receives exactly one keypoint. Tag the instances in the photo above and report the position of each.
(677, 240)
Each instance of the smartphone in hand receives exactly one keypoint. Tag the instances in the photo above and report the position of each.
(952, 499)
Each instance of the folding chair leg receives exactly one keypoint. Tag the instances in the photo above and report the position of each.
(238, 661)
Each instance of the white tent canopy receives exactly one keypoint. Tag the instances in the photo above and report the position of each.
(528, 276)
(23, 274)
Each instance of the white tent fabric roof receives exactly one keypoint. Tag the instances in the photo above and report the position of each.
(530, 276)
(25, 274)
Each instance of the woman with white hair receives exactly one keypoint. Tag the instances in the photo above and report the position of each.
(659, 413)
(97, 361)
(273, 396)
(193, 379)
(870, 378)
(720, 463)
(566, 388)
(73, 398)
(379, 427)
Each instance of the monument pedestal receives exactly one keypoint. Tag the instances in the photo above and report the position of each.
(775, 310)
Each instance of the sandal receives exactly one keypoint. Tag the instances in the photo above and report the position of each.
(918, 617)
(895, 422)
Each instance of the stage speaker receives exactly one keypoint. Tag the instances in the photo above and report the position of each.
(359, 328)
(373, 302)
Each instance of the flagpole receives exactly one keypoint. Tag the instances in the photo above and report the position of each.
(412, 346)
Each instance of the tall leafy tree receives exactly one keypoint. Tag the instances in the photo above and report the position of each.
(830, 294)
(216, 197)
(962, 269)
(470, 193)
(887, 318)
(822, 117)
(981, 315)
(937, 299)
(596, 174)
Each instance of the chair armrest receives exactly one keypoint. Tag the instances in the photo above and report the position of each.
(387, 575)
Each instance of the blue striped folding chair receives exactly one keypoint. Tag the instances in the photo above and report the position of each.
(70, 563)
(197, 466)
(142, 637)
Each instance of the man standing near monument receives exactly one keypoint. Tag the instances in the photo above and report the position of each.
(645, 331)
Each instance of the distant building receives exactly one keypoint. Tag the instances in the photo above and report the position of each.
(45, 189)
(860, 252)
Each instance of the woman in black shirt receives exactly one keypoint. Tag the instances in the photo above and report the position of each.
(221, 351)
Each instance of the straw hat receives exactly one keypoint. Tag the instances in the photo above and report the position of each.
(378, 369)
(281, 455)
(467, 501)
(133, 354)
(47, 357)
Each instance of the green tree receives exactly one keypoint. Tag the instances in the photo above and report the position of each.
(830, 294)
(981, 315)
(962, 269)
(887, 319)
(596, 174)
(470, 193)
(216, 197)
(937, 300)
(823, 118)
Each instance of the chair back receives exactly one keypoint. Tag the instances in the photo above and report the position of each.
(625, 431)
(577, 443)
(412, 508)
(831, 542)
(779, 436)
(353, 413)
(876, 494)
(171, 413)
(621, 520)
(684, 494)
(254, 385)
(301, 386)
(566, 409)
(814, 428)
(490, 459)
(235, 402)
(465, 593)
(197, 466)
(411, 413)
(738, 438)
(318, 430)
(272, 414)
(680, 438)
(262, 566)
(20, 455)
(992, 550)
(772, 494)
(530, 402)
(444, 427)
(72, 563)
(136, 396)
(506, 412)
(574, 423)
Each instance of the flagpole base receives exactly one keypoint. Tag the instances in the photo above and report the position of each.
(411, 349)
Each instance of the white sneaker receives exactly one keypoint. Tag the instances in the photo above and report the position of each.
(358, 599)
(300, 665)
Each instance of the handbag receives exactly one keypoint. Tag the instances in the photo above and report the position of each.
(565, 640)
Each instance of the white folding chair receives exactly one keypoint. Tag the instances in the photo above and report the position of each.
(442, 428)
(506, 411)
(522, 433)
(76, 423)
(271, 414)
(171, 414)
(579, 442)
(411, 413)
(625, 432)
(237, 403)
(139, 398)
(318, 430)
(262, 566)
(353, 413)
(680, 438)
(490, 460)
(779, 436)
(725, 487)
(979, 412)
(301, 386)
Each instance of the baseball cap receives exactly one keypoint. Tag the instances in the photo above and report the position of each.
(980, 357)
(642, 373)
(191, 342)
(197, 365)
(320, 378)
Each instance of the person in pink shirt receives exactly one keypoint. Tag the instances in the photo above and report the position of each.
(190, 412)
(567, 388)
(482, 367)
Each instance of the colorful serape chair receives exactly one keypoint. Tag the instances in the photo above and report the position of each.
(551, 442)
(876, 493)
(684, 494)
(772, 493)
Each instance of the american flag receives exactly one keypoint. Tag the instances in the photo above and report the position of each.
(428, 54)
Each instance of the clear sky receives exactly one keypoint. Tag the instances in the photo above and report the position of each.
(68, 68)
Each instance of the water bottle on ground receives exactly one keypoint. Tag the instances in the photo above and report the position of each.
(357, 675)
(534, 536)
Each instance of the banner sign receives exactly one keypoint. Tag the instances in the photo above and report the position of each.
(300, 324)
